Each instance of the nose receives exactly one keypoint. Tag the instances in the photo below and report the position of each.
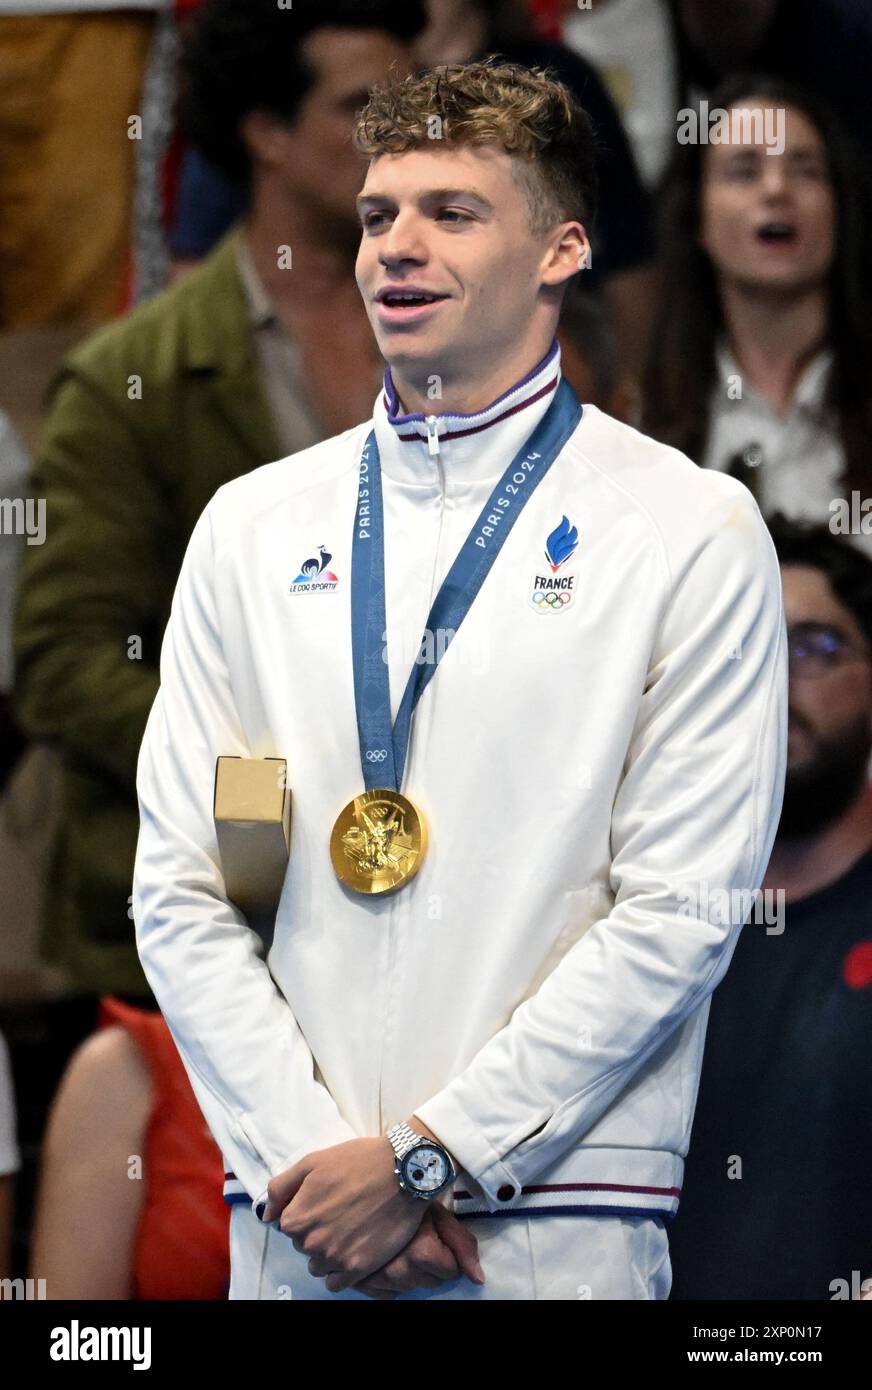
(402, 241)
(774, 177)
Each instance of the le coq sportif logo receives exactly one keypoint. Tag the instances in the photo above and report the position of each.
(315, 576)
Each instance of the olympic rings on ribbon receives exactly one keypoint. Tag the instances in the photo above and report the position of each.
(376, 755)
(553, 600)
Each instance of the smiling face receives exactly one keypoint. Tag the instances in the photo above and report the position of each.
(454, 280)
(768, 220)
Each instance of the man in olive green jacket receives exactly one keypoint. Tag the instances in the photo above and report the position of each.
(145, 422)
(234, 366)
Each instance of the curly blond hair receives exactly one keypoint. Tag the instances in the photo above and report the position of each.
(527, 112)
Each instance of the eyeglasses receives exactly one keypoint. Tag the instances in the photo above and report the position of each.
(815, 649)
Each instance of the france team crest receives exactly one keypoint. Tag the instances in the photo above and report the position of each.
(315, 576)
(553, 592)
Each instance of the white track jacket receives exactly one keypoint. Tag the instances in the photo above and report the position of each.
(599, 775)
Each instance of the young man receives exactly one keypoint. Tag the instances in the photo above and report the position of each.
(516, 1027)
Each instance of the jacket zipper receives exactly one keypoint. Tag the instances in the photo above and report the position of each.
(432, 423)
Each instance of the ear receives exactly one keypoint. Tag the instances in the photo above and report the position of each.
(265, 137)
(567, 252)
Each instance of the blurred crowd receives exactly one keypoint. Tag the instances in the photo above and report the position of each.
(178, 306)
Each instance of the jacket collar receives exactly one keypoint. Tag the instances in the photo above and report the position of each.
(471, 447)
(261, 310)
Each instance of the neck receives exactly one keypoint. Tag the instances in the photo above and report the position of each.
(465, 394)
(802, 865)
(772, 336)
(323, 249)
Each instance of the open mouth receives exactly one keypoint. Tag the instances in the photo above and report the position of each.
(777, 232)
(408, 299)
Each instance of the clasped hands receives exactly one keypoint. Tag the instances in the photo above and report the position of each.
(344, 1208)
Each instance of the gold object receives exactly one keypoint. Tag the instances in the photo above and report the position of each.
(378, 841)
(252, 812)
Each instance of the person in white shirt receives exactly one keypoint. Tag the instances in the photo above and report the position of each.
(632, 44)
(467, 1067)
(762, 365)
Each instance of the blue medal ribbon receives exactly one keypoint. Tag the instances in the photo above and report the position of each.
(382, 748)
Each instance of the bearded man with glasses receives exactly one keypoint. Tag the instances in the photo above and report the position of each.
(776, 1202)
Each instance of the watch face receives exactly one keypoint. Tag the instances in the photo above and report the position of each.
(425, 1168)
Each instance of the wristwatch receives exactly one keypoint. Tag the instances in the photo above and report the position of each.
(422, 1166)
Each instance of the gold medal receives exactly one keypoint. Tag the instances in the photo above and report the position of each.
(378, 841)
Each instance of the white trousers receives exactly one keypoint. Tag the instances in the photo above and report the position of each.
(523, 1257)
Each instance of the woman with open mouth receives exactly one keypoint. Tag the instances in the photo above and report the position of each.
(763, 361)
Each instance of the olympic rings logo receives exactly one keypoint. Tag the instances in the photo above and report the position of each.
(376, 755)
(552, 599)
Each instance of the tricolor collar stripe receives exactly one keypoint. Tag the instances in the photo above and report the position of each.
(487, 424)
(392, 402)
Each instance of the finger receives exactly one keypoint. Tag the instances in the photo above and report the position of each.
(424, 1281)
(282, 1188)
(404, 1281)
(461, 1242)
(337, 1281)
(291, 1230)
(379, 1282)
(374, 1284)
(424, 1263)
(430, 1255)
